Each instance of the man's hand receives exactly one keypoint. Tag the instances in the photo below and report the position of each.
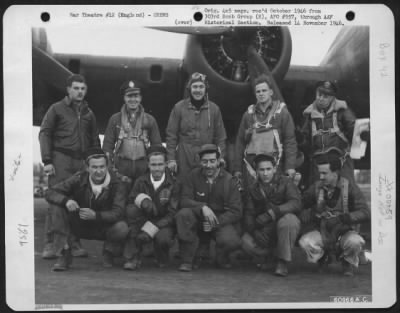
(291, 172)
(173, 166)
(210, 216)
(49, 169)
(238, 178)
(149, 208)
(87, 214)
(72, 206)
(264, 219)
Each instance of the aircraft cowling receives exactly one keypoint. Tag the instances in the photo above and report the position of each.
(219, 55)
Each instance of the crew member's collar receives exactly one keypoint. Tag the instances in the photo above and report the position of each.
(157, 183)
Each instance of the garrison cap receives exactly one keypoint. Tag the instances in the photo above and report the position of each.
(94, 152)
(209, 148)
(130, 86)
(156, 149)
(327, 87)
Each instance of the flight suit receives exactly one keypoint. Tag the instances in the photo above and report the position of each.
(330, 131)
(127, 147)
(188, 129)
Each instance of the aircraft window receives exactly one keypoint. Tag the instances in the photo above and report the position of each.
(156, 73)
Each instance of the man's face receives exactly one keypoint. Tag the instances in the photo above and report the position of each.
(210, 164)
(327, 177)
(323, 100)
(198, 90)
(265, 171)
(133, 100)
(77, 91)
(263, 93)
(97, 169)
(157, 166)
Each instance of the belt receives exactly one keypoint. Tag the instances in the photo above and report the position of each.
(73, 154)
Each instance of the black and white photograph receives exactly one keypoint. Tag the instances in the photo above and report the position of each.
(200, 157)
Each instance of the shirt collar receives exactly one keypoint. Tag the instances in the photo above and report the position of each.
(157, 183)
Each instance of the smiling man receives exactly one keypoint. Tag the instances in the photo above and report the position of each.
(152, 204)
(68, 129)
(129, 133)
(193, 122)
(210, 207)
(269, 212)
(90, 205)
(266, 128)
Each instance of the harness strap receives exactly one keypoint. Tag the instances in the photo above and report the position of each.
(334, 130)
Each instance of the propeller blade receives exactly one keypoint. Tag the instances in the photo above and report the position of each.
(257, 67)
(201, 30)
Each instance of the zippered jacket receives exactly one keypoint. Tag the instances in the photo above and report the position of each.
(68, 130)
(109, 205)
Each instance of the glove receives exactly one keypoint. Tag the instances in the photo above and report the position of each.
(143, 238)
(149, 207)
(263, 219)
(305, 216)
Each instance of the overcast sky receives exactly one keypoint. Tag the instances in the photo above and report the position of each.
(308, 47)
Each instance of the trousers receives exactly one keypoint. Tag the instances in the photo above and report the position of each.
(163, 240)
(65, 166)
(190, 230)
(67, 224)
(351, 244)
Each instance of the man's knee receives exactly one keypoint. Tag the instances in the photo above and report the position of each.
(311, 239)
(164, 237)
(228, 238)
(132, 211)
(186, 224)
(289, 220)
(351, 241)
(185, 218)
(118, 232)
